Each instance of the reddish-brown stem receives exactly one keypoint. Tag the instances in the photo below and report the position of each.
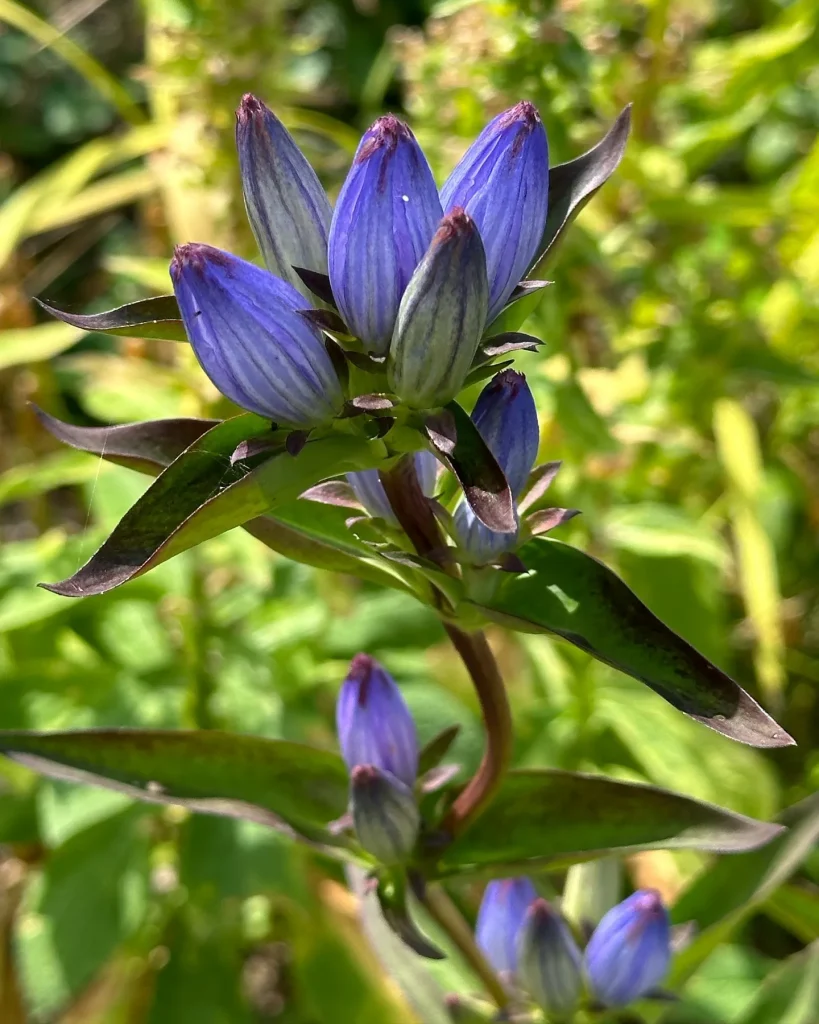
(419, 523)
(480, 662)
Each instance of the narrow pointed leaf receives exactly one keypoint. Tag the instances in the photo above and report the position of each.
(571, 185)
(548, 518)
(542, 817)
(203, 494)
(571, 594)
(270, 781)
(436, 750)
(300, 531)
(456, 439)
(540, 479)
(157, 317)
(144, 446)
(503, 344)
(524, 300)
(319, 284)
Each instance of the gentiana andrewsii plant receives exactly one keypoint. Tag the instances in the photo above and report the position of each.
(350, 358)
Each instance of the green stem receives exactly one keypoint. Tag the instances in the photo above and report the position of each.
(447, 916)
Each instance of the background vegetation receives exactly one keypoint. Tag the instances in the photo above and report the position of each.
(678, 384)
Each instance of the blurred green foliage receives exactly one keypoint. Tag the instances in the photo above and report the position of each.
(678, 384)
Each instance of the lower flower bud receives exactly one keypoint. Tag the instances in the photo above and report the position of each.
(549, 960)
(385, 814)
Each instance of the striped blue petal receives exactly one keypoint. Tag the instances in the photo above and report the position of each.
(630, 951)
(441, 317)
(502, 181)
(287, 207)
(385, 216)
(374, 723)
(250, 340)
(550, 962)
(500, 919)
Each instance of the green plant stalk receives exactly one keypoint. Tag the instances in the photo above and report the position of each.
(419, 523)
(447, 916)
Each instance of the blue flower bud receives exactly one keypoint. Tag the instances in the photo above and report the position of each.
(441, 317)
(374, 723)
(503, 182)
(287, 207)
(249, 338)
(385, 814)
(506, 418)
(549, 960)
(370, 492)
(500, 919)
(629, 953)
(386, 214)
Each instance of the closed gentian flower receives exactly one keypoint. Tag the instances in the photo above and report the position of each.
(385, 216)
(630, 950)
(373, 722)
(369, 490)
(502, 181)
(441, 317)
(500, 919)
(549, 960)
(385, 814)
(506, 418)
(287, 207)
(250, 339)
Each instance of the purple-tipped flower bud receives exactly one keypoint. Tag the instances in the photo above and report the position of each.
(385, 216)
(374, 723)
(385, 814)
(370, 491)
(503, 182)
(506, 417)
(629, 953)
(549, 961)
(500, 919)
(246, 332)
(441, 318)
(287, 207)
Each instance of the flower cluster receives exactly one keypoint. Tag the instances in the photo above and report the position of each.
(415, 274)
(532, 947)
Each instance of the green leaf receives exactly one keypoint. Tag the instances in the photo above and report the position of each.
(21, 345)
(548, 817)
(203, 494)
(146, 447)
(797, 909)
(302, 530)
(157, 317)
(790, 995)
(722, 898)
(571, 185)
(95, 882)
(456, 439)
(273, 782)
(571, 594)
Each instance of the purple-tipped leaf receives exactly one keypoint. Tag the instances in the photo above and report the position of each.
(158, 317)
(571, 594)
